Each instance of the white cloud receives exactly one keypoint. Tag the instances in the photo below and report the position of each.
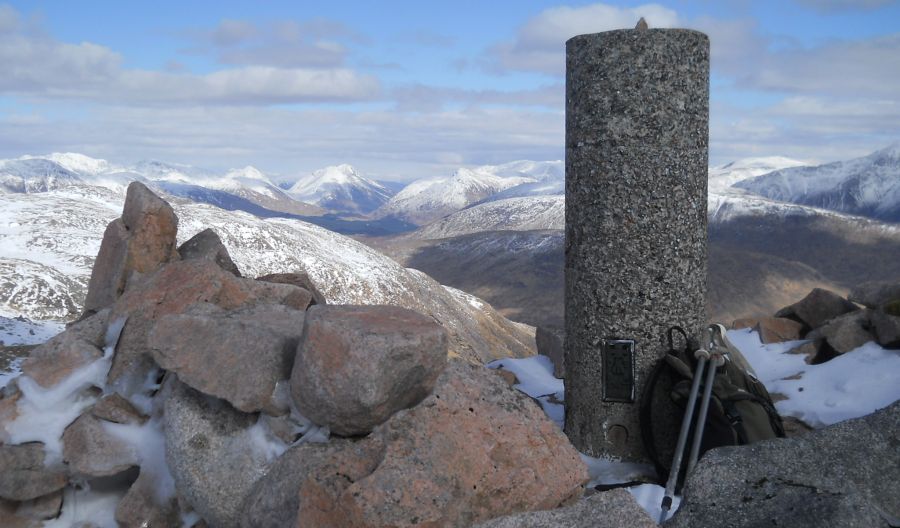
(383, 143)
(539, 45)
(37, 66)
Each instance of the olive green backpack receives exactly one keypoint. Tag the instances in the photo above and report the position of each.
(740, 410)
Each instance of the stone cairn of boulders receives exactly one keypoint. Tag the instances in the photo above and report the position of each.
(228, 401)
(834, 325)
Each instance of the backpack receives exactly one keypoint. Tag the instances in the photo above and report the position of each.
(740, 410)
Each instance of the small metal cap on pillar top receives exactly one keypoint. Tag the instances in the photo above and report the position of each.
(637, 113)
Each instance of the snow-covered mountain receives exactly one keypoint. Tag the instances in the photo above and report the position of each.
(50, 240)
(511, 214)
(34, 175)
(867, 186)
(724, 176)
(425, 200)
(341, 188)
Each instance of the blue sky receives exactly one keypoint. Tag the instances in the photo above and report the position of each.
(404, 90)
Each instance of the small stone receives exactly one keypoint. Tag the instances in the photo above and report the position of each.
(358, 365)
(772, 329)
(207, 245)
(114, 408)
(641, 25)
(23, 475)
(507, 376)
(92, 451)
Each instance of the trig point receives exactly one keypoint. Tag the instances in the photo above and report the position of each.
(637, 113)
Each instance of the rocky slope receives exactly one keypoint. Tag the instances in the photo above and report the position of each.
(53, 238)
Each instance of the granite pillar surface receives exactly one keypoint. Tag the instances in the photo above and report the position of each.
(637, 113)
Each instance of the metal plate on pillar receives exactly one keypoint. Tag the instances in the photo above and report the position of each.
(618, 370)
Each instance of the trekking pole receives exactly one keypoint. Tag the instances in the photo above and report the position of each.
(717, 359)
(701, 355)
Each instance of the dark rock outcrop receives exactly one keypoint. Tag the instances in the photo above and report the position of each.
(816, 308)
(207, 245)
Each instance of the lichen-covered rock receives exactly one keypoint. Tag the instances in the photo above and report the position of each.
(817, 307)
(215, 453)
(611, 509)
(472, 450)
(358, 365)
(847, 474)
(207, 245)
(237, 355)
(23, 474)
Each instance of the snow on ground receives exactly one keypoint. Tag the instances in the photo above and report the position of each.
(20, 330)
(849, 386)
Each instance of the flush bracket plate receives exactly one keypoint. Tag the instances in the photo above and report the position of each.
(618, 370)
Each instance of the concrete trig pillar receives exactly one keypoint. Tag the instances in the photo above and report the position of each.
(637, 113)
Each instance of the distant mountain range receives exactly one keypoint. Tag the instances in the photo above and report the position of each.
(867, 186)
(764, 253)
(777, 226)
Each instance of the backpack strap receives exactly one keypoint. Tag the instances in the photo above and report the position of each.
(673, 362)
